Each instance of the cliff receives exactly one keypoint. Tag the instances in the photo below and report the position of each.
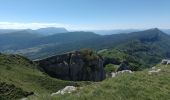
(83, 65)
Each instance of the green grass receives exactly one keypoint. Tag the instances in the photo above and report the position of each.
(140, 85)
(22, 73)
(136, 86)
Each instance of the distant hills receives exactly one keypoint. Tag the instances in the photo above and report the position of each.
(50, 30)
(119, 31)
(16, 40)
(150, 45)
(116, 31)
(42, 31)
(166, 31)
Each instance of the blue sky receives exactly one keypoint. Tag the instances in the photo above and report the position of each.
(85, 14)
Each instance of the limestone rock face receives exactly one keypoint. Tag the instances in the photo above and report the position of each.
(74, 66)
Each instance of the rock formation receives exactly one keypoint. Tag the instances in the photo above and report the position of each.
(123, 66)
(67, 89)
(82, 65)
(165, 62)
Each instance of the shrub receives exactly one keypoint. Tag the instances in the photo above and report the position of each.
(110, 68)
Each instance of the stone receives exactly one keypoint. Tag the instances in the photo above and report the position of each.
(114, 74)
(74, 66)
(165, 62)
(154, 71)
(67, 89)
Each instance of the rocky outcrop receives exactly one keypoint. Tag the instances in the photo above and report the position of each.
(67, 89)
(165, 62)
(123, 66)
(74, 66)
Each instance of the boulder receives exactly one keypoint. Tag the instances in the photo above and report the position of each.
(67, 89)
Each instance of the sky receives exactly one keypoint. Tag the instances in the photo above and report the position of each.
(85, 14)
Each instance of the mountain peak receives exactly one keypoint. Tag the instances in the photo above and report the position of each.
(151, 35)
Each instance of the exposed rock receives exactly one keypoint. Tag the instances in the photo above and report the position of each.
(124, 71)
(123, 66)
(154, 71)
(153, 68)
(24, 99)
(114, 74)
(75, 66)
(67, 89)
(165, 62)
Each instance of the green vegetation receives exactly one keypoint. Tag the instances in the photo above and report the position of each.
(88, 54)
(23, 75)
(110, 68)
(19, 76)
(119, 56)
(9, 91)
(136, 86)
(113, 53)
(147, 47)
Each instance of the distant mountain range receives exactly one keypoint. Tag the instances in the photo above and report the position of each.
(116, 31)
(50, 30)
(166, 31)
(119, 31)
(54, 30)
(41, 31)
(33, 45)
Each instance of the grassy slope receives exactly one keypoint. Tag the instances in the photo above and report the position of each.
(119, 55)
(136, 86)
(20, 72)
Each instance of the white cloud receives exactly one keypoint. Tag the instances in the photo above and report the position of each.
(16, 25)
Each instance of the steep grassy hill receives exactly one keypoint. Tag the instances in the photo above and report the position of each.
(19, 77)
(135, 86)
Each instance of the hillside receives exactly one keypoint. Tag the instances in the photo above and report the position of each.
(136, 86)
(66, 37)
(29, 43)
(20, 77)
(149, 47)
(16, 40)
